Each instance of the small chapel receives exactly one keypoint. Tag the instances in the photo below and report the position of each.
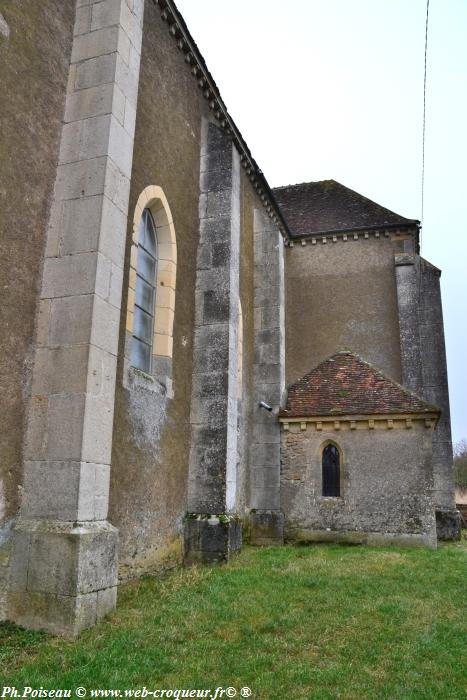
(191, 359)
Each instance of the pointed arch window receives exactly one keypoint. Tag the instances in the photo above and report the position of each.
(331, 464)
(145, 294)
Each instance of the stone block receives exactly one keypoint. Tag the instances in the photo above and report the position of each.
(126, 80)
(51, 489)
(112, 232)
(131, 24)
(106, 601)
(97, 428)
(211, 541)
(35, 446)
(96, 72)
(130, 116)
(448, 525)
(65, 558)
(267, 432)
(70, 275)
(58, 614)
(98, 43)
(216, 307)
(219, 203)
(215, 177)
(163, 345)
(65, 426)
(82, 20)
(70, 320)
(105, 325)
(60, 370)
(120, 147)
(80, 179)
(265, 498)
(80, 223)
(262, 477)
(266, 454)
(85, 139)
(92, 102)
(105, 14)
(266, 528)
(117, 186)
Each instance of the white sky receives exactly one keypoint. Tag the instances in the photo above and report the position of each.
(334, 89)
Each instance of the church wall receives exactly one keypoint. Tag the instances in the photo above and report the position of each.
(341, 295)
(151, 430)
(152, 434)
(386, 484)
(34, 60)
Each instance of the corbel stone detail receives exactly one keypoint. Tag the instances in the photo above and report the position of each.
(269, 382)
(64, 554)
(213, 454)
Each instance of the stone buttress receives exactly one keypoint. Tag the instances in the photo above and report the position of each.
(64, 553)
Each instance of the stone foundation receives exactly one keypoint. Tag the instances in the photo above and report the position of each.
(373, 539)
(267, 527)
(210, 541)
(448, 524)
(69, 578)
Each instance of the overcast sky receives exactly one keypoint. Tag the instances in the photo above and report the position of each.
(334, 89)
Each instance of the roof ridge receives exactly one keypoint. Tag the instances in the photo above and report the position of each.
(308, 182)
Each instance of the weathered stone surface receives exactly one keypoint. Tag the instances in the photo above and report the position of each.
(448, 525)
(70, 566)
(266, 528)
(386, 481)
(211, 541)
(69, 437)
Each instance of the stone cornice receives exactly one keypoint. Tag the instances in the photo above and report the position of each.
(200, 72)
(355, 234)
(388, 421)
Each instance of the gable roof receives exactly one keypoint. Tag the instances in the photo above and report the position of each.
(344, 384)
(328, 206)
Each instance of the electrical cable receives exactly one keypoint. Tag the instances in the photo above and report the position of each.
(424, 121)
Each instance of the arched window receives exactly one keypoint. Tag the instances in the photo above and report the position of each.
(331, 471)
(151, 287)
(145, 294)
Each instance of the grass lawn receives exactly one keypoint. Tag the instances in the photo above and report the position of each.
(322, 621)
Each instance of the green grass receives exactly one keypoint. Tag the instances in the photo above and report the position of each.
(323, 621)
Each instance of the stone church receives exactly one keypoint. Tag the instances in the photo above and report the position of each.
(190, 359)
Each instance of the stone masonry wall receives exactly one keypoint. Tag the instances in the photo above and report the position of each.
(341, 295)
(269, 382)
(386, 484)
(35, 47)
(435, 380)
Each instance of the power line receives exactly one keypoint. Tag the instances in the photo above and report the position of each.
(424, 113)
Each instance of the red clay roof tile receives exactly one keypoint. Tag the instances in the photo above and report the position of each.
(344, 384)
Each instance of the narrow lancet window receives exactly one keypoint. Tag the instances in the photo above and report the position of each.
(331, 471)
(145, 294)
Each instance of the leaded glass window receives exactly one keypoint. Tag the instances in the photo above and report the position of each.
(331, 471)
(145, 294)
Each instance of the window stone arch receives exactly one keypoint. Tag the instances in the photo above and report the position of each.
(154, 199)
(331, 469)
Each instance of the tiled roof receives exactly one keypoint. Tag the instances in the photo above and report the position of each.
(346, 385)
(318, 207)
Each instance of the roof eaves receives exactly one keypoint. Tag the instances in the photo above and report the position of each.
(406, 224)
(194, 58)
